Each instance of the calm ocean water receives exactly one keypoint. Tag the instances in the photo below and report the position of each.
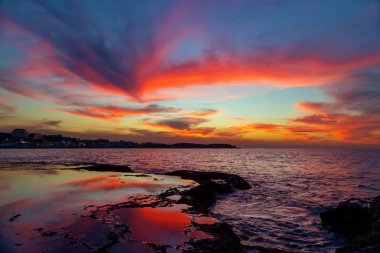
(290, 186)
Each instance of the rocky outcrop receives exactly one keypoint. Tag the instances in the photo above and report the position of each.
(221, 182)
(224, 241)
(202, 197)
(210, 185)
(199, 198)
(359, 221)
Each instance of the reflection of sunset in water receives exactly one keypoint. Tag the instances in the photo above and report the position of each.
(110, 183)
(40, 207)
(158, 225)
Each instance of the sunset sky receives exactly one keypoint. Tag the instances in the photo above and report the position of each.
(250, 73)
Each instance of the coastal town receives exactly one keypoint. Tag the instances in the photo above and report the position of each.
(21, 138)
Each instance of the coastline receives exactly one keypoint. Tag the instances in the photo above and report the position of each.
(207, 234)
(21, 138)
(199, 200)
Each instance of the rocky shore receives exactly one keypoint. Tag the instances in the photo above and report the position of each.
(203, 196)
(177, 219)
(210, 186)
(21, 138)
(359, 221)
(199, 199)
(155, 213)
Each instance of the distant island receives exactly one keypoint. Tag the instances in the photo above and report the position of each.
(21, 138)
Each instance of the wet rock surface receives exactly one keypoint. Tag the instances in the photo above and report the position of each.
(218, 237)
(225, 240)
(202, 197)
(359, 221)
(210, 185)
(14, 217)
(220, 182)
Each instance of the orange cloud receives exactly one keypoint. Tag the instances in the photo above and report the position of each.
(203, 113)
(117, 112)
(275, 69)
(314, 107)
(317, 128)
(345, 127)
(151, 72)
(190, 127)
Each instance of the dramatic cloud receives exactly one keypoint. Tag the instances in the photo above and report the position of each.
(108, 59)
(184, 126)
(282, 70)
(315, 106)
(133, 48)
(353, 116)
(360, 94)
(118, 112)
(203, 113)
(181, 123)
(349, 128)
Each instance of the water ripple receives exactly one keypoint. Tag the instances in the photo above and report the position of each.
(290, 186)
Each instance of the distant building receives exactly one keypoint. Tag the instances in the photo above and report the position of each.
(5, 136)
(19, 133)
(36, 136)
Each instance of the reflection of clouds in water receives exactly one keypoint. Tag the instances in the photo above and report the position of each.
(111, 182)
(67, 189)
(158, 225)
(57, 202)
(46, 198)
(281, 177)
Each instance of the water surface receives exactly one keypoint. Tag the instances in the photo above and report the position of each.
(290, 186)
(46, 208)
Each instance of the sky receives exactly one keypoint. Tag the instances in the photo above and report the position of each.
(271, 73)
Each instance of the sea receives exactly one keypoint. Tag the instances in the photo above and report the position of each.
(290, 187)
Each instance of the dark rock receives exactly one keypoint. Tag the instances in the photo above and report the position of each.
(224, 241)
(158, 248)
(201, 197)
(48, 233)
(351, 218)
(204, 195)
(14, 217)
(107, 167)
(215, 178)
(112, 239)
(45, 233)
(210, 184)
(359, 221)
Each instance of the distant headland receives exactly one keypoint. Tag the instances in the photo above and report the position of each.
(21, 138)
